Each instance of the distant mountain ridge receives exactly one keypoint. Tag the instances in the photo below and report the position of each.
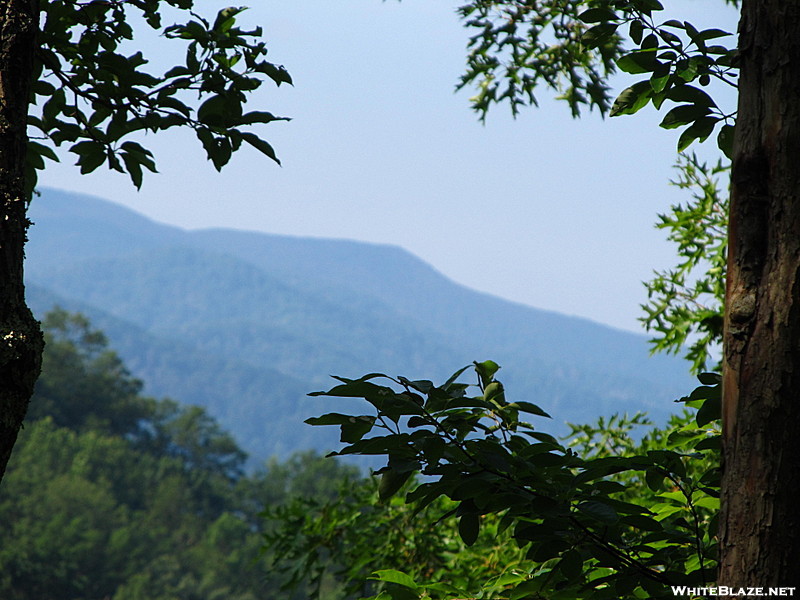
(246, 323)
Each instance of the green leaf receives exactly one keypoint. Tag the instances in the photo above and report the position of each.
(258, 116)
(260, 145)
(598, 35)
(636, 31)
(134, 168)
(331, 419)
(599, 511)
(486, 370)
(494, 392)
(654, 479)
(725, 140)
(710, 34)
(707, 502)
(571, 564)
(711, 410)
(638, 62)
(632, 99)
(597, 15)
(397, 577)
(42, 150)
(713, 443)
(91, 154)
(468, 528)
(530, 408)
(219, 110)
(642, 522)
(278, 74)
(699, 130)
(709, 378)
(682, 438)
(683, 115)
(391, 481)
(690, 94)
(648, 6)
(660, 78)
(544, 437)
(354, 430)
(226, 18)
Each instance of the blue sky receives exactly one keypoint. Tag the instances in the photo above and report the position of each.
(545, 210)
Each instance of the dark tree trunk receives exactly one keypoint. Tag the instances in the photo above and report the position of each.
(760, 521)
(20, 337)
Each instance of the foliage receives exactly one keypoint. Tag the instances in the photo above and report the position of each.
(84, 515)
(85, 385)
(110, 494)
(613, 519)
(518, 45)
(334, 546)
(92, 94)
(685, 303)
(573, 46)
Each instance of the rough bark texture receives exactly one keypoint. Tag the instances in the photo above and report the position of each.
(760, 521)
(20, 337)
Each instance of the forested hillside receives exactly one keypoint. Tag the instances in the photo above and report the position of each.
(114, 495)
(246, 324)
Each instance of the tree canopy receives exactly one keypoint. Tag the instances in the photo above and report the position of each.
(604, 516)
(112, 494)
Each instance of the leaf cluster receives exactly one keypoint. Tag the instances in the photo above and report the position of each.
(685, 302)
(591, 523)
(519, 46)
(95, 96)
(674, 54)
(574, 46)
(338, 544)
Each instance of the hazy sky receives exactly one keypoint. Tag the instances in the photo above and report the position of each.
(546, 210)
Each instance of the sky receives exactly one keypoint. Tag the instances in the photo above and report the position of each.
(545, 210)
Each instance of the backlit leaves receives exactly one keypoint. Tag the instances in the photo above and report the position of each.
(99, 98)
(518, 47)
(685, 302)
(572, 47)
(613, 519)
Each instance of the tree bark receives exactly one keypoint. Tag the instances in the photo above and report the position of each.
(21, 341)
(760, 521)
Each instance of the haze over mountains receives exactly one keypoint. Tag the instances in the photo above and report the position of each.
(247, 323)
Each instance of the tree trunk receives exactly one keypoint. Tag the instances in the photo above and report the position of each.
(21, 341)
(760, 522)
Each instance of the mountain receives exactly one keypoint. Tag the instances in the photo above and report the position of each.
(247, 323)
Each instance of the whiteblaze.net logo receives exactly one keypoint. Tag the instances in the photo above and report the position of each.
(725, 591)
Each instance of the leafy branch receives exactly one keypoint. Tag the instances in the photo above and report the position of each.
(685, 303)
(114, 97)
(582, 530)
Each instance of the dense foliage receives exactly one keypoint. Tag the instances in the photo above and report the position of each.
(95, 93)
(113, 495)
(572, 47)
(504, 510)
